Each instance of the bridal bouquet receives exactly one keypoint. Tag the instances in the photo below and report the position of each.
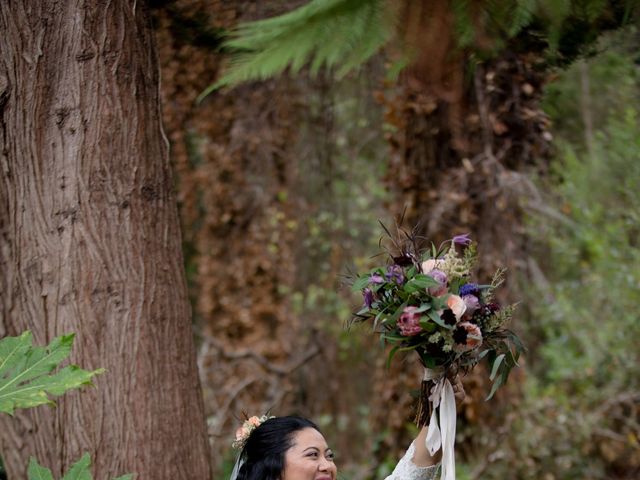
(427, 302)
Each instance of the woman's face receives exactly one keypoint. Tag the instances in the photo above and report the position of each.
(309, 457)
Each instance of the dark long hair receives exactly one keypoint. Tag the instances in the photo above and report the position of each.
(265, 449)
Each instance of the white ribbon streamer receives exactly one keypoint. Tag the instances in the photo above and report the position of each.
(443, 401)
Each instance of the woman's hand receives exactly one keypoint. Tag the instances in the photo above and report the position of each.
(422, 457)
(458, 390)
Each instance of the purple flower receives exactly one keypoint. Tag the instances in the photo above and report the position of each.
(469, 289)
(409, 322)
(440, 277)
(369, 297)
(376, 278)
(395, 273)
(472, 303)
(462, 239)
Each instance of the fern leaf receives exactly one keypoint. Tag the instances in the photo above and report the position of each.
(333, 34)
(26, 378)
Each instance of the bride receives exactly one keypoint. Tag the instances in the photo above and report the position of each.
(293, 448)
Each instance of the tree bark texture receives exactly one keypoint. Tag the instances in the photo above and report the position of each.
(90, 241)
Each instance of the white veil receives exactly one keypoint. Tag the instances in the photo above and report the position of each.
(237, 466)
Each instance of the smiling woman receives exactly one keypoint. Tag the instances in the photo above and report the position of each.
(309, 457)
(293, 448)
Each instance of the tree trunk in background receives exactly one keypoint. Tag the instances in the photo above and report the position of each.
(91, 241)
(234, 155)
(458, 164)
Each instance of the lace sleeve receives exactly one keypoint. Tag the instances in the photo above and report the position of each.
(407, 470)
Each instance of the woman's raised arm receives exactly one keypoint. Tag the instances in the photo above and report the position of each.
(421, 456)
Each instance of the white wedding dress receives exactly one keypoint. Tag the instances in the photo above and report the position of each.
(407, 470)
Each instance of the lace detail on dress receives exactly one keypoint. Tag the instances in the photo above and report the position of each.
(407, 470)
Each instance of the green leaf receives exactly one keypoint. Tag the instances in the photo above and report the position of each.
(360, 283)
(419, 283)
(335, 34)
(433, 315)
(37, 472)
(393, 319)
(80, 470)
(26, 378)
(496, 365)
(393, 351)
(426, 325)
(495, 387)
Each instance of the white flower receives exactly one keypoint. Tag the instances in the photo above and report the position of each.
(431, 264)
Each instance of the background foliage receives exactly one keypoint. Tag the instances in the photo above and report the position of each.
(281, 185)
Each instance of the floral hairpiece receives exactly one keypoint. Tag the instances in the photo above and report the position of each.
(249, 425)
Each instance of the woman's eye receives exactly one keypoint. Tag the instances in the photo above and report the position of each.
(331, 456)
(312, 454)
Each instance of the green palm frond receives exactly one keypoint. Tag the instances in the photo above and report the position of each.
(340, 34)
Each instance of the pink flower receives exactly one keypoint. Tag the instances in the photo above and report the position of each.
(242, 433)
(255, 421)
(457, 306)
(467, 337)
(409, 322)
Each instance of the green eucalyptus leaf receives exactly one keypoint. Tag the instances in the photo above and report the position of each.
(433, 315)
(392, 353)
(360, 283)
(494, 387)
(427, 326)
(420, 283)
(423, 308)
(393, 319)
(482, 354)
(496, 365)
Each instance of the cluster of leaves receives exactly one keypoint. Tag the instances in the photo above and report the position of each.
(341, 35)
(28, 379)
(425, 302)
(81, 470)
(327, 33)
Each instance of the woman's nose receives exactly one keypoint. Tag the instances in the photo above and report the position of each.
(325, 465)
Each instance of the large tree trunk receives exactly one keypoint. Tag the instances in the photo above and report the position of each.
(90, 241)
